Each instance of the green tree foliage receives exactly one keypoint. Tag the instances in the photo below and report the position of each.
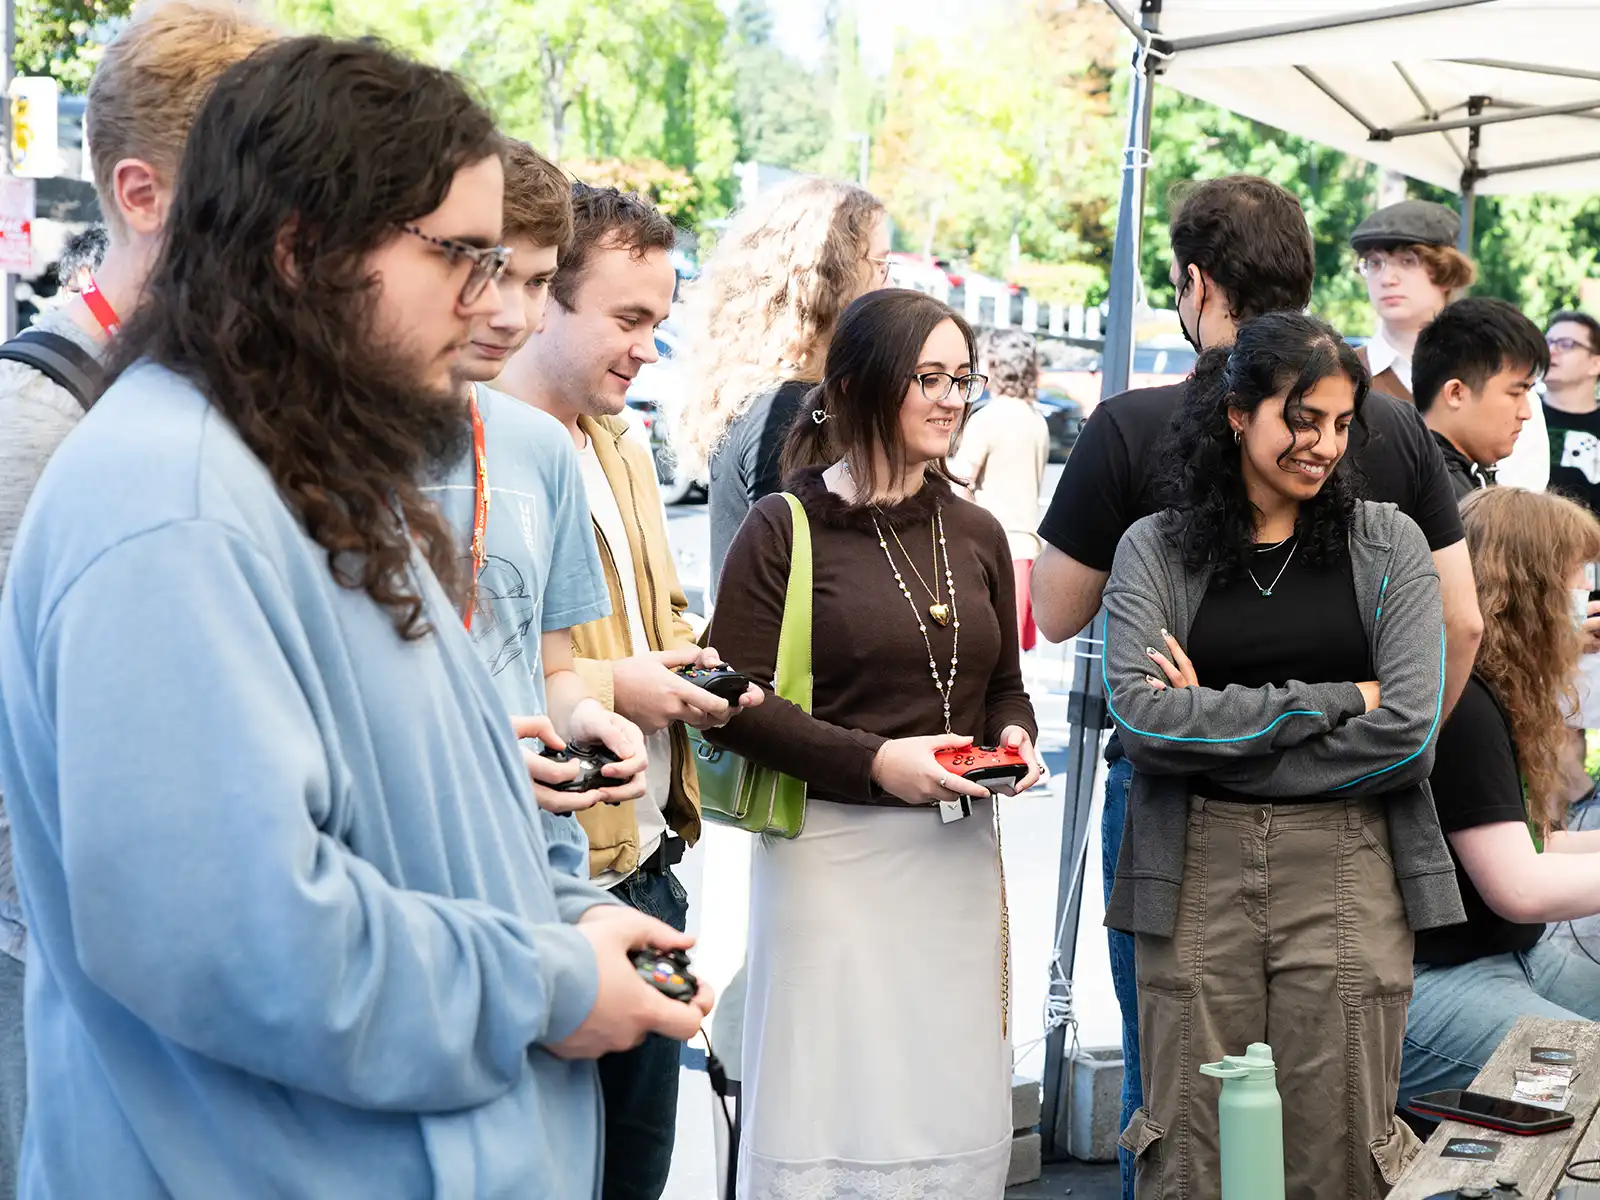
(779, 105)
(590, 79)
(999, 147)
(64, 38)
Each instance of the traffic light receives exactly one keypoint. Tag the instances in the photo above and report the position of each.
(35, 136)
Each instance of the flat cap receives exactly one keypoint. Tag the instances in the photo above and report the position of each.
(1409, 223)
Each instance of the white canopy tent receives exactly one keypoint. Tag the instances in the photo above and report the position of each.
(1480, 96)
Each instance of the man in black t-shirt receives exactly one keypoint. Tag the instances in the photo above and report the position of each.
(1571, 411)
(1240, 247)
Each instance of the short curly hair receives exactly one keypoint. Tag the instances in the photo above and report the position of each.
(1010, 359)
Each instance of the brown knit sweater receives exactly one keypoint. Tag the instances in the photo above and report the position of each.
(869, 665)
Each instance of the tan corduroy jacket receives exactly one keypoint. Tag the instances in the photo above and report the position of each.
(614, 830)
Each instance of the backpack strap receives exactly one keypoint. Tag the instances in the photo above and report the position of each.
(60, 360)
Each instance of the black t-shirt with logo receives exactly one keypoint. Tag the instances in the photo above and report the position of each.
(1476, 781)
(1575, 455)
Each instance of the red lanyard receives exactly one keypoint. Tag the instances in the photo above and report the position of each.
(480, 502)
(100, 307)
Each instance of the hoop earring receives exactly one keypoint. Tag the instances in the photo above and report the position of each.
(1236, 437)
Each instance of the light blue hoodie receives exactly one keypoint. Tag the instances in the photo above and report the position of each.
(293, 929)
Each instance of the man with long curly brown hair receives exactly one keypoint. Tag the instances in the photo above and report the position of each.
(297, 932)
(142, 99)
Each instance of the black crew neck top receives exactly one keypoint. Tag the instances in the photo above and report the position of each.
(1476, 781)
(1308, 629)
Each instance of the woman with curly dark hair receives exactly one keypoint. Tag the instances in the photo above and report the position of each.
(1274, 661)
(1498, 779)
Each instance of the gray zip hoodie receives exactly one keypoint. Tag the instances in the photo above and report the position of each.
(1298, 739)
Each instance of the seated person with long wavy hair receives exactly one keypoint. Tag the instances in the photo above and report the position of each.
(1498, 786)
(1280, 844)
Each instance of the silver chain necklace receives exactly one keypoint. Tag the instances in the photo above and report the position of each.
(1267, 591)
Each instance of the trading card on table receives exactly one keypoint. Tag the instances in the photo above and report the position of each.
(1551, 1094)
(1476, 1149)
(1553, 1055)
(1543, 1073)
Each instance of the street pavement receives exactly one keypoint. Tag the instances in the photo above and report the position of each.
(716, 876)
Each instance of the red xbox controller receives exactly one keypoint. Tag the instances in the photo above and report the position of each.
(998, 768)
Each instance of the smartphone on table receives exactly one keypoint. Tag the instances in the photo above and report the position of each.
(1492, 1112)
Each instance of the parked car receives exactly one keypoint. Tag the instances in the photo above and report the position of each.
(654, 397)
(1154, 365)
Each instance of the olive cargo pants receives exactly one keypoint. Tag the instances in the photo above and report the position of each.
(1291, 931)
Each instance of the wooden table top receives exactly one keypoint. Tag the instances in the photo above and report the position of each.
(1536, 1163)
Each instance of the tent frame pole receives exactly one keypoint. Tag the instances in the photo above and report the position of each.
(1470, 176)
(1475, 120)
(1086, 703)
(1366, 16)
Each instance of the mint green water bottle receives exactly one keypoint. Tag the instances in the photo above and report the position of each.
(1251, 1116)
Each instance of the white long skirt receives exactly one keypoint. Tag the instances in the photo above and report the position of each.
(875, 1067)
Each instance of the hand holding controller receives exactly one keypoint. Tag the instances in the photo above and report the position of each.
(998, 768)
(590, 757)
(722, 681)
(667, 971)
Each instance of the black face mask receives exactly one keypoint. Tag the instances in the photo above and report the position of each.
(1192, 338)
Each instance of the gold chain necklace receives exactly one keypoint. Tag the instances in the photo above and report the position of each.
(938, 610)
(945, 687)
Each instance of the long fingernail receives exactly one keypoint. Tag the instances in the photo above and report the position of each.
(1150, 651)
(1165, 634)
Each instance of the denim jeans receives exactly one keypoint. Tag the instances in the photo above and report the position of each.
(1460, 1014)
(1118, 774)
(640, 1086)
(13, 1074)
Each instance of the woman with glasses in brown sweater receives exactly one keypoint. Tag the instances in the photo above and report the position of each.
(877, 1044)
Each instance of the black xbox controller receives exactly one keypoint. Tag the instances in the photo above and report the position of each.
(1505, 1188)
(667, 971)
(590, 757)
(722, 682)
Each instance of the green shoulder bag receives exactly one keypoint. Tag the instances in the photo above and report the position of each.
(733, 790)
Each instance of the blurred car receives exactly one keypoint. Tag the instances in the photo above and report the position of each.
(1062, 415)
(654, 397)
(1155, 364)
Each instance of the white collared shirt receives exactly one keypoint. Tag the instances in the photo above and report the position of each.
(1382, 357)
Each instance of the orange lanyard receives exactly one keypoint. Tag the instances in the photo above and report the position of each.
(101, 308)
(480, 503)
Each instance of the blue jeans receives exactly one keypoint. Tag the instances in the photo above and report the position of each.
(1459, 1015)
(640, 1086)
(1118, 775)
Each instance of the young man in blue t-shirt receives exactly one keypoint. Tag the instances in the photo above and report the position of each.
(535, 567)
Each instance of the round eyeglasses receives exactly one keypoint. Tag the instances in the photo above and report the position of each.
(489, 263)
(1375, 262)
(937, 385)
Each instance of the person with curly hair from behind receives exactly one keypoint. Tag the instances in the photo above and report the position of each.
(1498, 783)
(758, 325)
(1274, 660)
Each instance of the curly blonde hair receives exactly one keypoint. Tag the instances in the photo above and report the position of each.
(1524, 547)
(766, 305)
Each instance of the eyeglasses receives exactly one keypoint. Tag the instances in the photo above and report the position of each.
(1568, 345)
(936, 385)
(489, 263)
(1375, 262)
(882, 264)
